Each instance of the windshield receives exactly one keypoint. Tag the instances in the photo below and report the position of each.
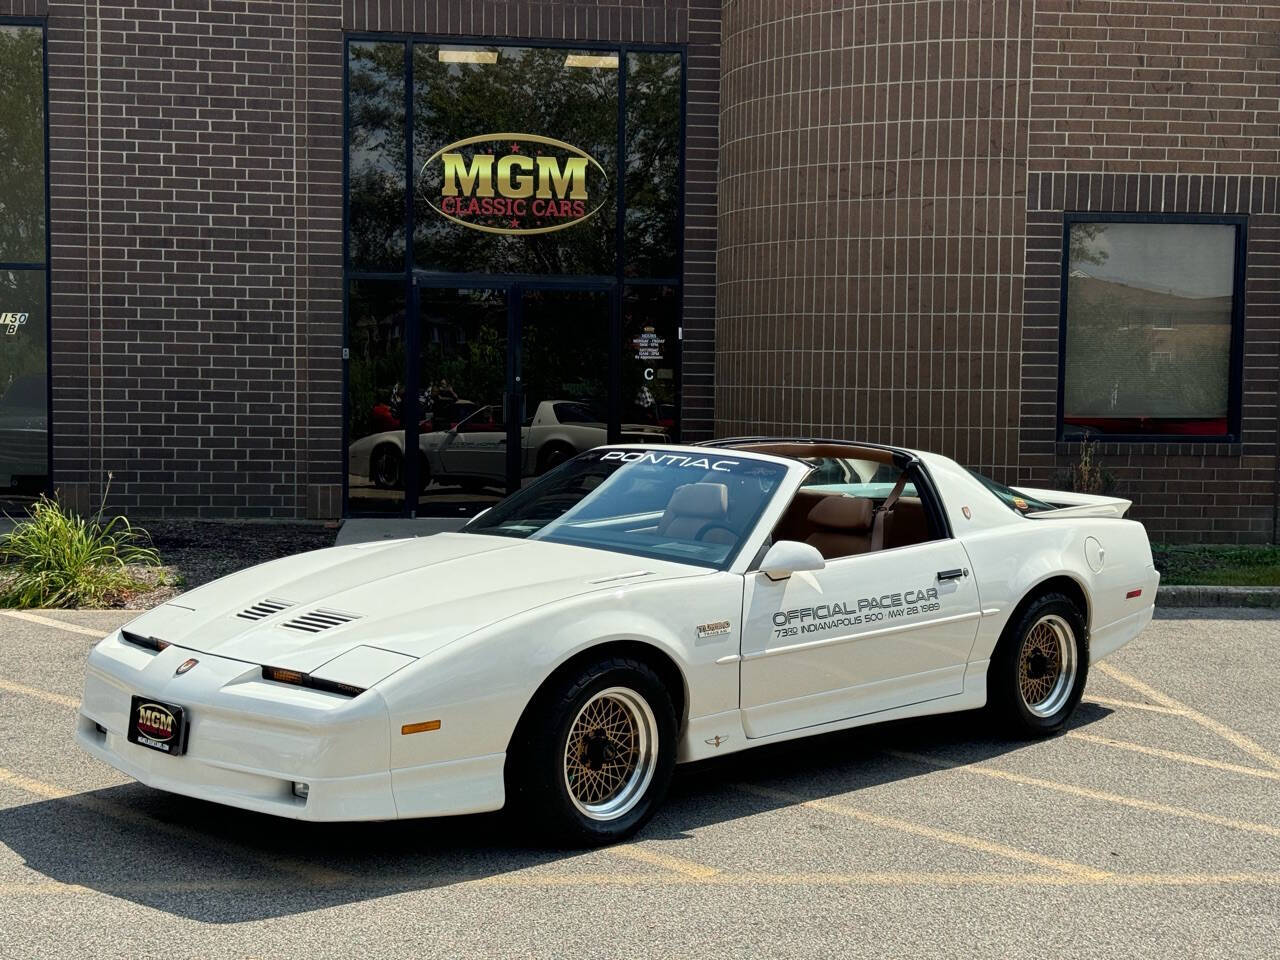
(686, 507)
(1018, 502)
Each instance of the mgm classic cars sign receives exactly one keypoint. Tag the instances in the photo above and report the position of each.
(513, 183)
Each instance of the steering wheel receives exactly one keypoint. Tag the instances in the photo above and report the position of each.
(716, 525)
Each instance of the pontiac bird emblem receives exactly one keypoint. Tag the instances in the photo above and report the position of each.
(716, 740)
(185, 666)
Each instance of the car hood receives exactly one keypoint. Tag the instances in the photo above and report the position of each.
(408, 596)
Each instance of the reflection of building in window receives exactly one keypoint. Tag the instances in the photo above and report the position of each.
(1149, 324)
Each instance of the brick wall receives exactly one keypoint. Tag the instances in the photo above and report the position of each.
(873, 169)
(1160, 108)
(195, 155)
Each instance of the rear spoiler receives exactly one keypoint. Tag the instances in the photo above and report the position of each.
(1067, 505)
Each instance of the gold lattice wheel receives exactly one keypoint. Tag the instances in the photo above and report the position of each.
(610, 753)
(1047, 665)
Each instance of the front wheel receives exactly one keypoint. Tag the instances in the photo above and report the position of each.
(1039, 669)
(593, 757)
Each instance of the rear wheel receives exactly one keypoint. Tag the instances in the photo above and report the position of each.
(593, 756)
(553, 455)
(386, 467)
(1038, 672)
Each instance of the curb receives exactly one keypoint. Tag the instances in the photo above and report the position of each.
(1208, 596)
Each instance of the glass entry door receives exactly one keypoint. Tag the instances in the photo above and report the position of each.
(462, 382)
(473, 392)
(563, 376)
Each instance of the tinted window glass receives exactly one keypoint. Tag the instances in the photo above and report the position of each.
(24, 422)
(1018, 502)
(21, 144)
(515, 159)
(689, 508)
(653, 164)
(1148, 328)
(651, 358)
(855, 478)
(376, 158)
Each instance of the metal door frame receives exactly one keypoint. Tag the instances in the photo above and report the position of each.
(513, 287)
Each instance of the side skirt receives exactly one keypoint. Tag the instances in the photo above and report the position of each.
(720, 733)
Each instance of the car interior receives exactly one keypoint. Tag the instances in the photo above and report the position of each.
(854, 501)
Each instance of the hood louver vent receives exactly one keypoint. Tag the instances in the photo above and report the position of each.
(318, 620)
(263, 609)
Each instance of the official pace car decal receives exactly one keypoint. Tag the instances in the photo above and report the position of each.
(829, 616)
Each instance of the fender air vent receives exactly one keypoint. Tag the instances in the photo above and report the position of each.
(263, 609)
(318, 620)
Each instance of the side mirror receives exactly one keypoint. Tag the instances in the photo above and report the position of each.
(790, 556)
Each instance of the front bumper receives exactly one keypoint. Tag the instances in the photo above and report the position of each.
(250, 740)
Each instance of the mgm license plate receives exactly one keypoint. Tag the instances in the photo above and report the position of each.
(159, 726)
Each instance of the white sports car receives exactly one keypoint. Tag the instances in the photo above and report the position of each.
(637, 607)
(473, 453)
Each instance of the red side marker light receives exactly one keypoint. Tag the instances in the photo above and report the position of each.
(1133, 593)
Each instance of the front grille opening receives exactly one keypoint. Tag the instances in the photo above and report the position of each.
(264, 608)
(318, 620)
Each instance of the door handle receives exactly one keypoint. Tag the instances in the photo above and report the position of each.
(944, 575)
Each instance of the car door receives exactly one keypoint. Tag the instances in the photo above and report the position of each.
(477, 447)
(868, 633)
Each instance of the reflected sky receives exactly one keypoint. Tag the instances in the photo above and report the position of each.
(1194, 260)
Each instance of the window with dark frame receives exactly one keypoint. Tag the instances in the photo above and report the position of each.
(24, 357)
(1151, 316)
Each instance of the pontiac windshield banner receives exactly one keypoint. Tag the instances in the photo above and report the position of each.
(513, 183)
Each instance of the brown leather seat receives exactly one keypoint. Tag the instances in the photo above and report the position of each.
(907, 524)
(693, 510)
(842, 526)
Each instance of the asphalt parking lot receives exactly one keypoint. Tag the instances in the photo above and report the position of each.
(1151, 828)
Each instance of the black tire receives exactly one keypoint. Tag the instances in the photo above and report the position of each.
(386, 467)
(537, 768)
(552, 456)
(1028, 692)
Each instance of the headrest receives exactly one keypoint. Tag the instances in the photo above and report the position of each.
(843, 513)
(700, 500)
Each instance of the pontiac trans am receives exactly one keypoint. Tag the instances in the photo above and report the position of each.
(635, 608)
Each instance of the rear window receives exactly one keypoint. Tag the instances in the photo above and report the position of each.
(1017, 502)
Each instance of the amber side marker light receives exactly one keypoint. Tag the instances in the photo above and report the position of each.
(424, 727)
(1133, 593)
(294, 678)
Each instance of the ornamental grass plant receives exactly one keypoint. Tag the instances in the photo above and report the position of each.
(57, 558)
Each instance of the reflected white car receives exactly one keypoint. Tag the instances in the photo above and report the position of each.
(642, 606)
(474, 453)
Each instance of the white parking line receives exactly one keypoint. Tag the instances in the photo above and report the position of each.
(58, 624)
(1174, 755)
(38, 694)
(1251, 747)
(933, 833)
(1068, 788)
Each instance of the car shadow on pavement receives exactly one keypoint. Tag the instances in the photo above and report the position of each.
(215, 864)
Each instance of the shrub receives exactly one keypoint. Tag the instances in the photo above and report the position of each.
(56, 558)
(1087, 474)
